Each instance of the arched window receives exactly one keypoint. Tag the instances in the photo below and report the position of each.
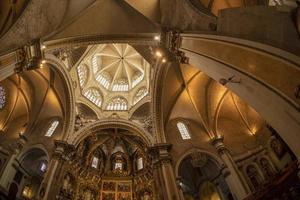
(103, 79)
(82, 71)
(185, 135)
(141, 93)
(96, 62)
(43, 166)
(2, 97)
(137, 78)
(140, 163)
(52, 128)
(95, 162)
(120, 86)
(118, 103)
(94, 96)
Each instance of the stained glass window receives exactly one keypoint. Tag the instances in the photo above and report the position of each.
(52, 128)
(183, 131)
(2, 97)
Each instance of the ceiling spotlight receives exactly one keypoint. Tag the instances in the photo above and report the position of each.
(157, 37)
(164, 60)
(158, 54)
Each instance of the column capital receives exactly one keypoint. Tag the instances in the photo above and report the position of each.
(161, 153)
(63, 150)
(218, 143)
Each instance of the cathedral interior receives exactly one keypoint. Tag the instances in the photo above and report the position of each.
(149, 99)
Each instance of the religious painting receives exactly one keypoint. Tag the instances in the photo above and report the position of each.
(278, 148)
(116, 190)
(109, 186)
(124, 196)
(108, 196)
(124, 187)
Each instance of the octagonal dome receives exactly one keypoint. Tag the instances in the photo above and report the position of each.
(113, 72)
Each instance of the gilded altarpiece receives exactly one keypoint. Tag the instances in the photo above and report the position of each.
(116, 190)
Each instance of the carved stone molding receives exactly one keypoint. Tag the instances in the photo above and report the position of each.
(63, 150)
(173, 43)
(218, 143)
(161, 154)
(29, 57)
(108, 123)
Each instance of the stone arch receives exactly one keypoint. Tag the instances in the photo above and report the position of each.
(214, 157)
(28, 149)
(109, 123)
(61, 69)
(259, 174)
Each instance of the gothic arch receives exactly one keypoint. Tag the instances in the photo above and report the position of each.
(60, 68)
(214, 157)
(109, 123)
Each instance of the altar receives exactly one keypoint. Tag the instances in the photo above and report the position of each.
(116, 189)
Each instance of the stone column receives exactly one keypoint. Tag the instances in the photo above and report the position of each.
(164, 173)
(9, 171)
(235, 180)
(61, 154)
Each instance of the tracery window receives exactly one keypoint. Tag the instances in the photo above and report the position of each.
(103, 79)
(2, 97)
(82, 74)
(120, 86)
(95, 162)
(185, 135)
(95, 63)
(141, 93)
(137, 79)
(94, 96)
(52, 128)
(118, 103)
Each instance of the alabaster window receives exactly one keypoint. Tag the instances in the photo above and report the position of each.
(82, 74)
(2, 97)
(120, 86)
(117, 104)
(52, 128)
(119, 165)
(140, 164)
(95, 162)
(43, 167)
(94, 96)
(137, 79)
(103, 79)
(185, 135)
(140, 95)
(95, 63)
